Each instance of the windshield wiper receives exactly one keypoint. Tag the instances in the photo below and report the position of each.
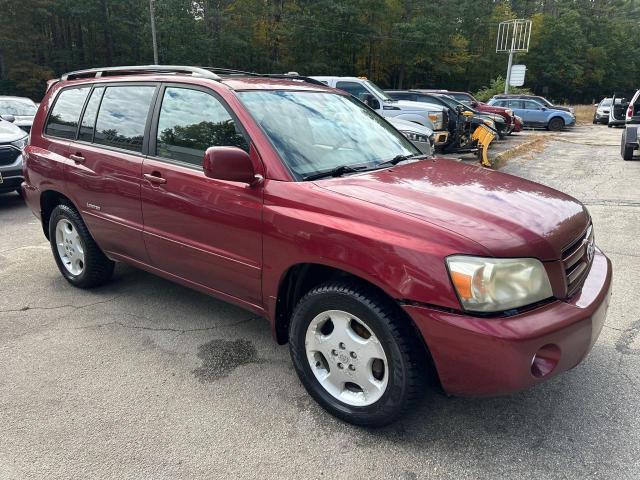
(400, 158)
(334, 172)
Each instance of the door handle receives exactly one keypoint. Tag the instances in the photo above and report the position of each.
(77, 157)
(155, 178)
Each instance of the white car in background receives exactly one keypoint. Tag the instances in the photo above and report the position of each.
(425, 114)
(421, 136)
(18, 110)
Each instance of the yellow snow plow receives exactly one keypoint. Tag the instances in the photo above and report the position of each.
(483, 135)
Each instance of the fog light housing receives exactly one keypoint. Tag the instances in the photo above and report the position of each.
(545, 360)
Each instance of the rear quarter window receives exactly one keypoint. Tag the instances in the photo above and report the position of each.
(65, 115)
(123, 116)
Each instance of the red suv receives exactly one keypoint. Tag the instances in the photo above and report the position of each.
(381, 267)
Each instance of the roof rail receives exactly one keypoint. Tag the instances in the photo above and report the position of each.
(138, 70)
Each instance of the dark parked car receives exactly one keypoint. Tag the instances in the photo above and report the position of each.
(12, 143)
(379, 266)
(513, 125)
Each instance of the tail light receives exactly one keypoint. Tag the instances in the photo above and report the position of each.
(630, 111)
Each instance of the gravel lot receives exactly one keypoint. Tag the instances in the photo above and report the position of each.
(145, 379)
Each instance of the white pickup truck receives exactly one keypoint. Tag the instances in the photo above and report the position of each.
(429, 115)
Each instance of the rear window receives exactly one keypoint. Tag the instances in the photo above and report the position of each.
(123, 116)
(63, 120)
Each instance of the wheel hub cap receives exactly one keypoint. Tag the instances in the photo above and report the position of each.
(70, 247)
(346, 358)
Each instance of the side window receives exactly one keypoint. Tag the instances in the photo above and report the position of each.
(517, 104)
(63, 120)
(87, 126)
(190, 121)
(529, 105)
(123, 116)
(353, 88)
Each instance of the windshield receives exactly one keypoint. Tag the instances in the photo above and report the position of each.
(380, 92)
(316, 131)
(17, 107)
(606, 102)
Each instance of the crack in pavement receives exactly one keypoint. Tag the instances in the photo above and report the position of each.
(57, 307)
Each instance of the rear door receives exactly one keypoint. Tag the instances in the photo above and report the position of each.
(203, 230)
(633, 110)
(105, 167)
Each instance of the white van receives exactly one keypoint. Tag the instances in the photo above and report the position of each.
(427, 114)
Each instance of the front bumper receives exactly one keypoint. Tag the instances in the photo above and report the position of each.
(490, 356)
(11, 178)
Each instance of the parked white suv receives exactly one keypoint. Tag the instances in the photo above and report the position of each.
(427, 114)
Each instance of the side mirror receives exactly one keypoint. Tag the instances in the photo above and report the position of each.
(371, 101)
(229, 163)
(544, 109)
(8, 117)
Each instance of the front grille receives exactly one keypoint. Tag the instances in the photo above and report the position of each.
(577, 258)
(8, 155)
(26, 128)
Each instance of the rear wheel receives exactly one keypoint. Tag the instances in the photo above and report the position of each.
(555, 124)
(627, 152)
(355, 354)
(76, 253)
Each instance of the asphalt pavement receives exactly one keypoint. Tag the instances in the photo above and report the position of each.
(145, 379)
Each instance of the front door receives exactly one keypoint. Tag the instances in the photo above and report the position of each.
(204, 230)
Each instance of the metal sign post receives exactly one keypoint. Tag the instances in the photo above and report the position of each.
(513, 37)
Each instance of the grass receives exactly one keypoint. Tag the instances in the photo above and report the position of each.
(584, 113)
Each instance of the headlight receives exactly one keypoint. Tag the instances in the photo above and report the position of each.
(436, 119)
(490, 123)
(498, 284)
(509, 111)
(21, 143)
(415, 137)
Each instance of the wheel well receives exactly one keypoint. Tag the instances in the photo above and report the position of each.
(301, 278)
(49, 200)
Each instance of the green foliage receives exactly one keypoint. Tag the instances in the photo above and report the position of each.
(581, 50)
(496, 87)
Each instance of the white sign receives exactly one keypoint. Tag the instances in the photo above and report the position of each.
(517, 75)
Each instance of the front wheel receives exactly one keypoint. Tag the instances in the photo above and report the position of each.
(76, 253)
(356, 354)
(555, 124)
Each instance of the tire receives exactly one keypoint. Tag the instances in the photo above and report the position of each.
(399, 349)
(88, 269)
(555, 124)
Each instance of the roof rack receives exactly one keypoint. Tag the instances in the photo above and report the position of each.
(140, 69)
(285, 76)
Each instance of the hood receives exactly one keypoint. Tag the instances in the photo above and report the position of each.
(407, 126)
(509, 216)
(409, 106)
(10, 132)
